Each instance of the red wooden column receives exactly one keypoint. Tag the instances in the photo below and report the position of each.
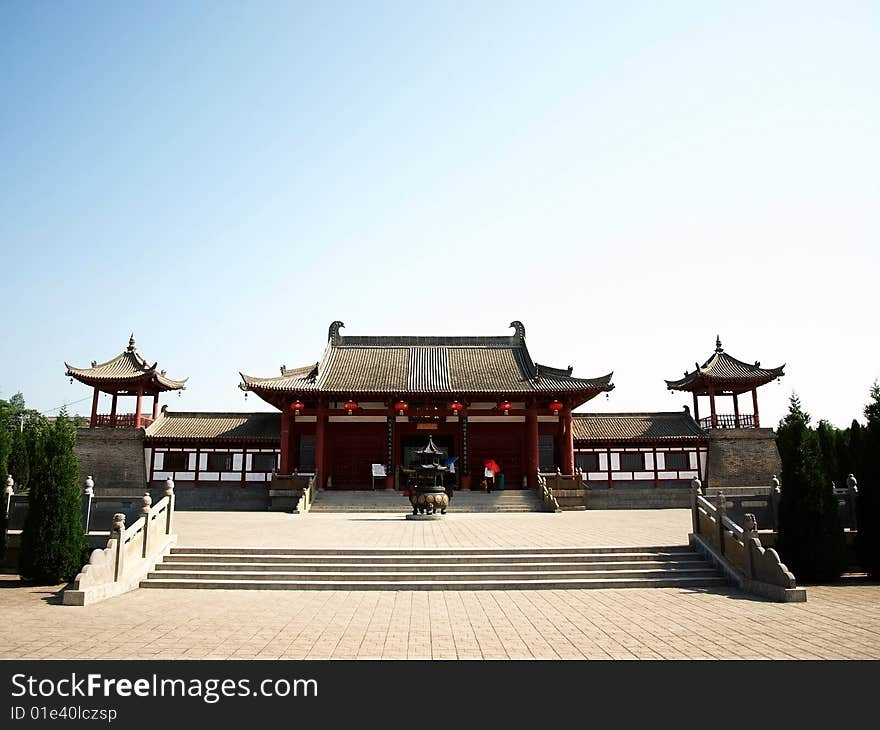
(94, 421)
(320, 443)
(712, 406)
(292, 451)
(390, 451)
(532, 445)
(567, 446)
(137, 408)
(696, 407)
(156, 406)
(736, 409)
(284, 467)
(113, 411)
(755, 405)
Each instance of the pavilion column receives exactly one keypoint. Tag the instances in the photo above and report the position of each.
(755, 406)
(156, 406)
(94, 421)
(113, 411)
(696, 407)
(736, 409)
(712, 407)
(532, 445)
(284, 467)
(137, 408)
(321, 443)
(567, 446)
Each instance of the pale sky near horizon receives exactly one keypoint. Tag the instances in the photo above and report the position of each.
(628, 180)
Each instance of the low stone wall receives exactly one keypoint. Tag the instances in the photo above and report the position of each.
(633, 498)
(216, 497)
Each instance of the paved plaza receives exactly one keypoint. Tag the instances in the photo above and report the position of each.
(840, 621)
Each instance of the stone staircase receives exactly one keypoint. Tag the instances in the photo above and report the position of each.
(389, 500)
(236, 568)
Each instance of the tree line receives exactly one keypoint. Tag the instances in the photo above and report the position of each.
(814, 460)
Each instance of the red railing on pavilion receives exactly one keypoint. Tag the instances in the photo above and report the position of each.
(728, 420)
(123, 420)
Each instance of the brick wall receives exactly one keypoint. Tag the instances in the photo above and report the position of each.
(742, 457)
(114, 458)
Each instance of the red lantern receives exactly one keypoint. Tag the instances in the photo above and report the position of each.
(505, 407)
(401, 407)
(350, 406)
(556, 406)
(456, 407)
(297, 407)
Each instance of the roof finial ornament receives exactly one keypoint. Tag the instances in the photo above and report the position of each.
(520, 329)
(333, 332)
(718, 347)
(131, 345)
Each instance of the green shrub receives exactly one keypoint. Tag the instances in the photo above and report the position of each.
(52, 541)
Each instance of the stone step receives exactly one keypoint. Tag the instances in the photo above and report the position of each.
(255, 568)
(394, 501)
(463, 566)
(416, 585)
(550, 559)
(429, 575)
(325, 553)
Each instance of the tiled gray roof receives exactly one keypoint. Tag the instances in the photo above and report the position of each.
(726, 371)
(127, 366)
(662, 426)
(189, 426)
(427, 365)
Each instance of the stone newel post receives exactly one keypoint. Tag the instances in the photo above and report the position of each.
(145, 513)
(750, 532)
(719, 516)
(696, 491)
(117, 531)
(87, 495)
(169, 510)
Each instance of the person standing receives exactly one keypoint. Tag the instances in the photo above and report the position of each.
(489, 477)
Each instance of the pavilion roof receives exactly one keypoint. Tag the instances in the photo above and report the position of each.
(455, 365)
(725, 372)
(129, 369)
(615, 427)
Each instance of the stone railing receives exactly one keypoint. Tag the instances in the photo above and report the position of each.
(737, 550)
(130, 554)
(308, 495)
(545, 491)
(728, 420)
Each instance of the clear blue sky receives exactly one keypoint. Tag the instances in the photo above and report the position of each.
(628, 179)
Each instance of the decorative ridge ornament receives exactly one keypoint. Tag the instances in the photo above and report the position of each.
(131, 344)
(718, 347)
(520, 329)
(333, 333)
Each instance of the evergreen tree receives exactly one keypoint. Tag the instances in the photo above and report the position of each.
(869, 488)
(5, 451)
(827, 437)
(811, 541)
(52, 541)
(19, 462)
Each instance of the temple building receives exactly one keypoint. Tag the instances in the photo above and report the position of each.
(373, 401)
